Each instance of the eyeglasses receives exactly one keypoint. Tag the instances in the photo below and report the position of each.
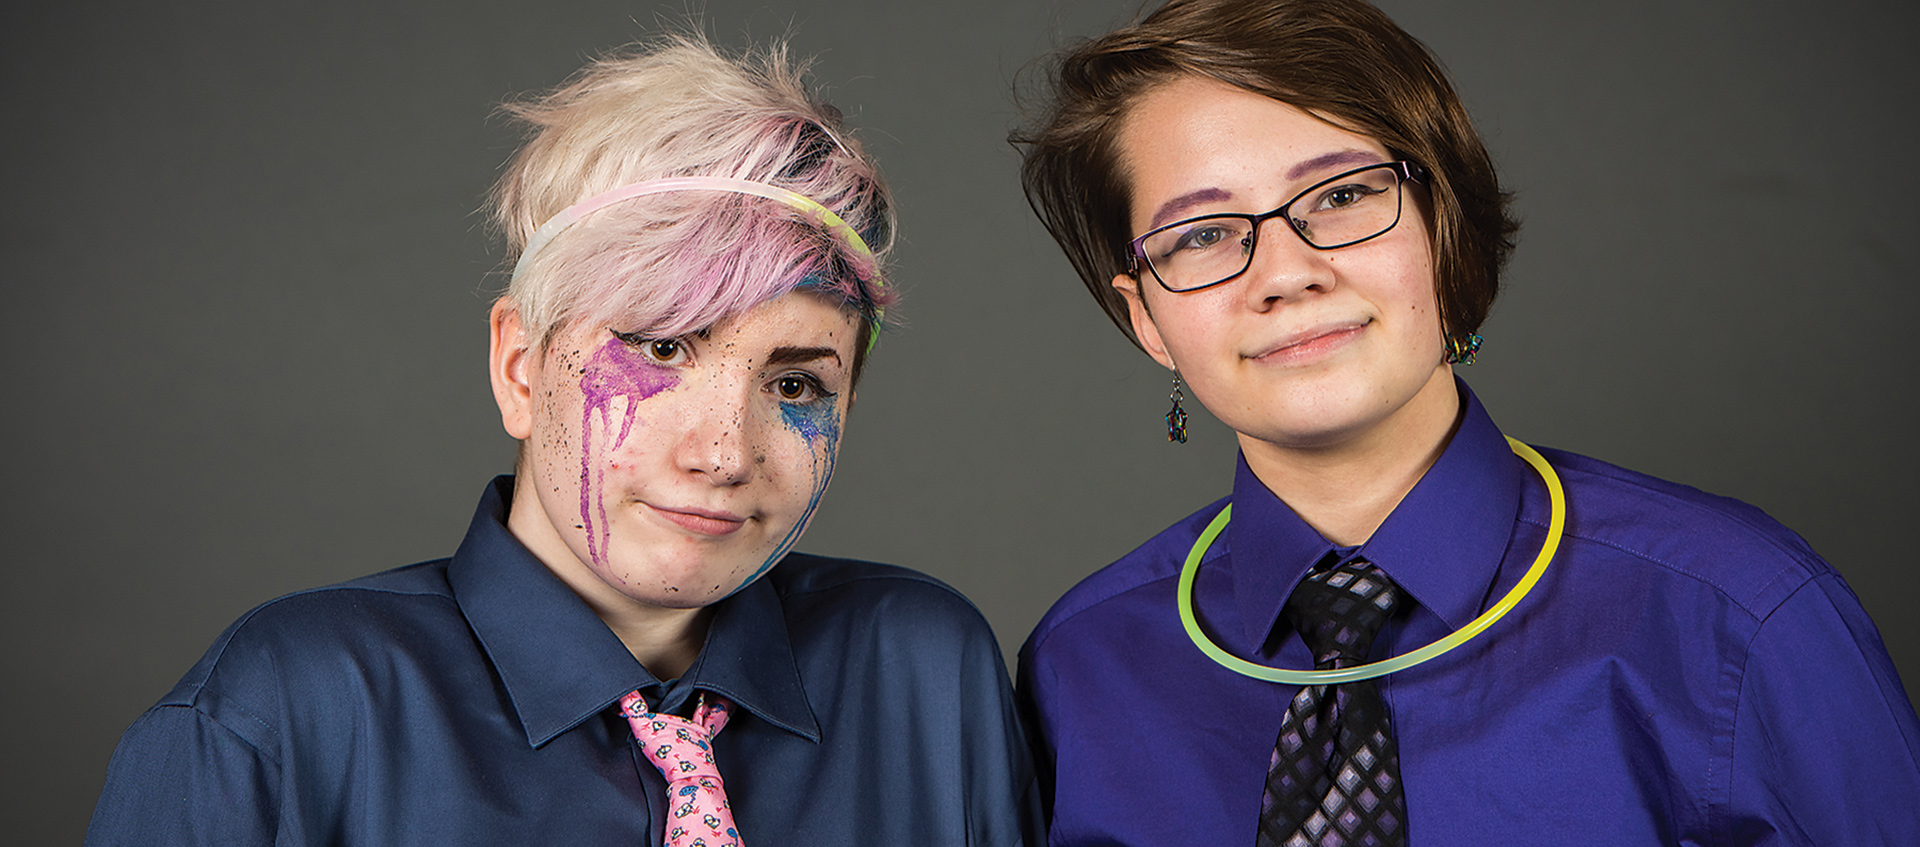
(1347, 209)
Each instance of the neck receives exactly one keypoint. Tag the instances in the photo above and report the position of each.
(664, 640)
(1347, 487)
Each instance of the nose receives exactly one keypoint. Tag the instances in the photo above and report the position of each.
(1284, 267)
(718, 443)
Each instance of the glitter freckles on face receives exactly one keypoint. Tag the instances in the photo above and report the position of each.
(616, 370)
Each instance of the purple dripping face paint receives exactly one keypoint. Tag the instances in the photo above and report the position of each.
(616, 370)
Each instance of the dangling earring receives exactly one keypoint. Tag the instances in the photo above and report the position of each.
(1460, 348)
(1176, 416)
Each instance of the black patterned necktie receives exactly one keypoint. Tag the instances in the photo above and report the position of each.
(1334, 780)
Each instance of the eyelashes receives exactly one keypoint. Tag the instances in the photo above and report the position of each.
(660, 351)
(800, 387)
(793, 387)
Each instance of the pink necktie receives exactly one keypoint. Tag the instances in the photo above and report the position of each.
(698, 814)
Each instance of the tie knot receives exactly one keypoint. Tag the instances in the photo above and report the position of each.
(682, 749)
(1338, 611)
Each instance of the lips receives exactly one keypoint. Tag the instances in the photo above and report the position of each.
(700, 521)
(1311, 343)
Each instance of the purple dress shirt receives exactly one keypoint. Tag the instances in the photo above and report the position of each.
(1687, 672)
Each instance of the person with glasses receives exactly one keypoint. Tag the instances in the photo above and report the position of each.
(1402, 626)
(624, 649)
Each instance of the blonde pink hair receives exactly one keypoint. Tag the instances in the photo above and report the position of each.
(669, 264)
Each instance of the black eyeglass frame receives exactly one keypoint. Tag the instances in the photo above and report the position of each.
(1404, 170)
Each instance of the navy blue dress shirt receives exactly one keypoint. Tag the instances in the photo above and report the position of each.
(1687, 672)
(473, 700)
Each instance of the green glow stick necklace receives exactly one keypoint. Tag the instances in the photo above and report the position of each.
(1556, 527)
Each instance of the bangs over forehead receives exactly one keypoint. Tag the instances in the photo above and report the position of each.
(1342, 61)
(668, 264)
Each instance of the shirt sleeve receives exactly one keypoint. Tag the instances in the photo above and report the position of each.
(1008, 762)
(180, 778)
(1826, 748)
(1028, 697)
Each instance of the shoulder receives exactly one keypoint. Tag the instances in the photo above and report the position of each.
(1154, 563)
(1728, 545)
(316, 631)
(823, 591)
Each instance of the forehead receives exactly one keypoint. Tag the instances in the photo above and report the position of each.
(1194, 141)
(816, 319)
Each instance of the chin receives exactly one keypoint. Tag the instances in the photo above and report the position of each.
(1313, 435)
(660, 578)
(683, 592)
(668, 598)
(1305, 420)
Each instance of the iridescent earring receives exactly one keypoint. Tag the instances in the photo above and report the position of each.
(1460, 348)
(1176, 416)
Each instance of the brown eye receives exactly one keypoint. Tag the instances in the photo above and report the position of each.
(797, 388)
(1345, 196)
(663, 351)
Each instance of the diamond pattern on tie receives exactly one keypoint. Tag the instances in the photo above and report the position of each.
(1334, 779)
(698, 814)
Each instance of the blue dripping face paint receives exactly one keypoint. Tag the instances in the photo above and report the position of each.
(818, 424)
(814, 421)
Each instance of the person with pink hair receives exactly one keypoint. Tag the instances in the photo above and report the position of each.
(624, 649)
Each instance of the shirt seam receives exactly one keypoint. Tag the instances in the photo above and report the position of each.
(1097, 602)
(209, 718)
(1053, 625)
(213, 661)
(1725, 830)
(1722, 827)
(1778, 575)
(1763, 533)
(205, 687)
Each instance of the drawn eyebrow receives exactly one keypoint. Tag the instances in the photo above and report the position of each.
(1172, 208)
(797, 355)
(1326, 161)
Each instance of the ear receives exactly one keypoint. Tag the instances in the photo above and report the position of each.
(510, 361)
(1143, 325)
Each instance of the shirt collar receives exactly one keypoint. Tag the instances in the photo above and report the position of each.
(560, 663)
(1443, 543)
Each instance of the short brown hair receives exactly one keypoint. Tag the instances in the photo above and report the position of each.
(1342, 60)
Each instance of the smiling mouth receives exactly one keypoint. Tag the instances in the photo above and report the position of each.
(701, 521)
(1311, 343)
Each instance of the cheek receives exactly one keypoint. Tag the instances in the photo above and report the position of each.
(808, 440)
(556, 435)
(1422, 298)
(1195, 324)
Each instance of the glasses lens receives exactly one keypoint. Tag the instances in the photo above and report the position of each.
(1347, 209)
(1350, 208)
(1198, 253)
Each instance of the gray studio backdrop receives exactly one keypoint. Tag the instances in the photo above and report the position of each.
(246, 291)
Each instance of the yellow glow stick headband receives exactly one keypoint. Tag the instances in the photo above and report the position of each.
(1556, 526)
(825, 217)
